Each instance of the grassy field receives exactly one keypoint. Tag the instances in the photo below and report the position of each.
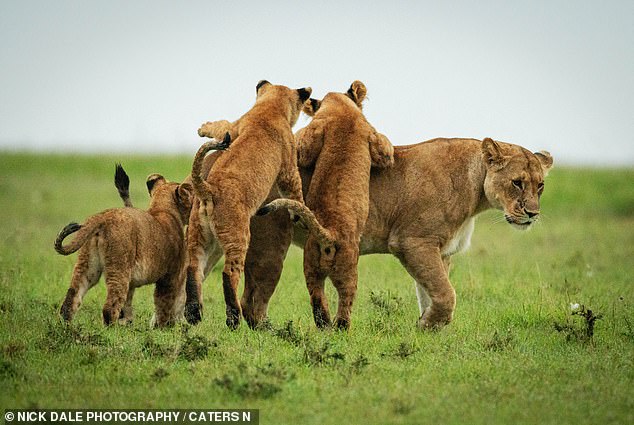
(514, 353)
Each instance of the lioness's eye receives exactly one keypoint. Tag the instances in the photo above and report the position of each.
(518, 184)
(540, 187)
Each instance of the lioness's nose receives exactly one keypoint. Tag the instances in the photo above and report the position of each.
(531, 214)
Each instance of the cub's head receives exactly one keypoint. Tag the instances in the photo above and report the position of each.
(356, 93)
(170, 196)
(293, 99)
(515, 180)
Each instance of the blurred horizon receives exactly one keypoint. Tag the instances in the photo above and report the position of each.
(133, 77)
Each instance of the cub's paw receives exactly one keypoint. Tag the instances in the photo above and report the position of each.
(193, 313)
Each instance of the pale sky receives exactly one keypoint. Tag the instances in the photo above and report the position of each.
(133, 76)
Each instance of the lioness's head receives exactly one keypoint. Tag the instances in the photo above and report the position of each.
(293, 98)
(515, 180)
(170, 196)
(356, 93)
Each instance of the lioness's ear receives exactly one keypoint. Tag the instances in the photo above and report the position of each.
(311, 107)
(492, 153)
(184, 195)
(152, 180)
(546, 160)
(304, 93)
(260, 84)
(357, 92)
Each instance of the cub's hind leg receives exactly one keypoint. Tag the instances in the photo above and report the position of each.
(118, 275)
(231, 224)
(86, 274)
(126, 315)
(315, 282)
(345, 277)
(204, 251)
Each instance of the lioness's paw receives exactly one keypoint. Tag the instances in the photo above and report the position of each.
(431, 320)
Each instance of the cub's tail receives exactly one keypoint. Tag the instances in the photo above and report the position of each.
(68, 249)
(122, 183)
(201, 186)
(324, 236)
(85, 232)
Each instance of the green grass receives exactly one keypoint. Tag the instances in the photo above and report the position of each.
(502, 360)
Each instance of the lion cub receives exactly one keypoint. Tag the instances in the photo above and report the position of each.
(342, 146)
(133, 248)
(262, 155)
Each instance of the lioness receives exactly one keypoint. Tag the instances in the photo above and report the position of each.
(262, 154)
(422, 210)
(133, 248)
(341, 146)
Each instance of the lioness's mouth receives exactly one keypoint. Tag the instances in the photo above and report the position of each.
(519, 223)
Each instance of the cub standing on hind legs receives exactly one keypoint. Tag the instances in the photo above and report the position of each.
(342, 146)
(133, 248)
(263, 154)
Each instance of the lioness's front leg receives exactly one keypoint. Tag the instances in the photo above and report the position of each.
(423, 262)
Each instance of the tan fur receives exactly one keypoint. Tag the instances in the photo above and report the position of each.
(262, 155)
(422, 210)
(339, 144)
(133, 248)
(204, 251)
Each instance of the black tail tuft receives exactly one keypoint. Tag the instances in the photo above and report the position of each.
(121, 179)
(264, 210)
(226, 142)
(122, 183)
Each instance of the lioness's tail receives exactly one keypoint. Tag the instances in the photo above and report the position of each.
(77, 242)
(201, 187)
(324, 236)
(122, 183)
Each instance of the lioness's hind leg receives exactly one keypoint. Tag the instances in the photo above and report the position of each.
(167, 293)
(86, 274)
(270, 239)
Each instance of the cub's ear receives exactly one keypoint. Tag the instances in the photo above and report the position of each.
(311, 106)
(546, 160)
(304, 93)
(357, 92)
(184, 195)
(260, 84)
(492, 153)
(152, 181)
